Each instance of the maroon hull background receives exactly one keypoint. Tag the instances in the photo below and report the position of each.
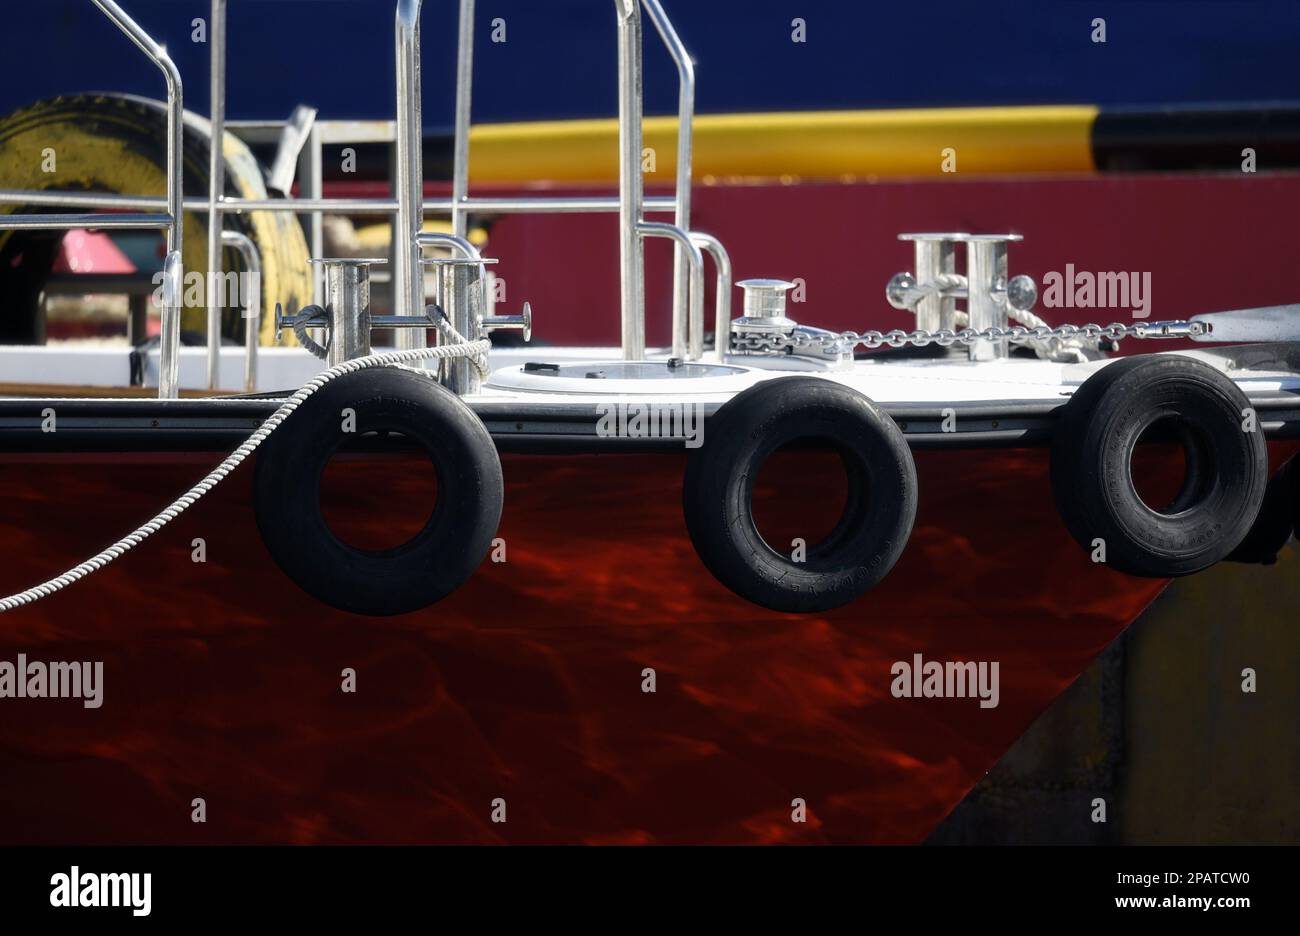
(1210, 243)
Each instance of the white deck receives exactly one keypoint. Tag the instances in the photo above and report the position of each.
(919, 381)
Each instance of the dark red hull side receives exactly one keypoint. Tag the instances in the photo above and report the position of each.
(222, 679)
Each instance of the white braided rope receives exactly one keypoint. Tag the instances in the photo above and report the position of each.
(472, 350)
(1023, 317)
(446, 332)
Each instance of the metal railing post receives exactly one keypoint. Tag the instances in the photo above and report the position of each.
(685, 145)
(684, 343)
(216, 185)
(722, 302)
(171, 319)
(253, 314)
(169, 352)
(630, 184)
(408, 274)
(464, 106)
(311, 186)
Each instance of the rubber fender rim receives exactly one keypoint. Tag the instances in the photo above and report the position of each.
(870, 535)
(117, 143)
(438, 559)
(1226, 470)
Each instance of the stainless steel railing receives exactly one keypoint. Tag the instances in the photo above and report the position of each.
(584, 204)
(171, 220)
(410, 207)
(464, 102)
(253, 297)
(722, 304)
(631, 203)
(685, 345)
(216, 182)
(685, 152)
(408, 274)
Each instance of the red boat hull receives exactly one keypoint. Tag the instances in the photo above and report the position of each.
(222, 679)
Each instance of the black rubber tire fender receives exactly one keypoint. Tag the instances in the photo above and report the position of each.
(878, 516)
(1276, 521)
(461, 525)
(1091, 465)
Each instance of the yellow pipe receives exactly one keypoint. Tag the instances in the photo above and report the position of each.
(816, 144)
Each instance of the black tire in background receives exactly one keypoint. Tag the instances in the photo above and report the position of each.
(116, 143)
(1276, 522)
(870, 535)
(461, 524)
(1226, 466)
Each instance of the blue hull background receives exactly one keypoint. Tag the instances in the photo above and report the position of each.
(559, 57)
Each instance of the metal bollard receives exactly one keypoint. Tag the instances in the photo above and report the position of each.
(458, 285)
(986, 277)
(347, 303)
(936, 261)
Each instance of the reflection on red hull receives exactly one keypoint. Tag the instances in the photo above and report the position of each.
(222, 680)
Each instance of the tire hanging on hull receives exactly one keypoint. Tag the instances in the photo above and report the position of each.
(1278, 520)
(872, 531)
(1226, 465)
(462, 523)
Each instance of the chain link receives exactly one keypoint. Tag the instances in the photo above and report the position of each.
(835, 343)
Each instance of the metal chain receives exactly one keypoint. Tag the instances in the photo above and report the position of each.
(1019, 334)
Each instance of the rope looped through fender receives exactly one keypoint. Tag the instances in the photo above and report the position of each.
(475, 350)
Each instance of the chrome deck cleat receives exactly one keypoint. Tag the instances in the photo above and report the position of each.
(992, 299)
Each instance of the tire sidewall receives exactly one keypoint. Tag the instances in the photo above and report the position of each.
(718, 494)
(461, 524)
(1092, 476)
